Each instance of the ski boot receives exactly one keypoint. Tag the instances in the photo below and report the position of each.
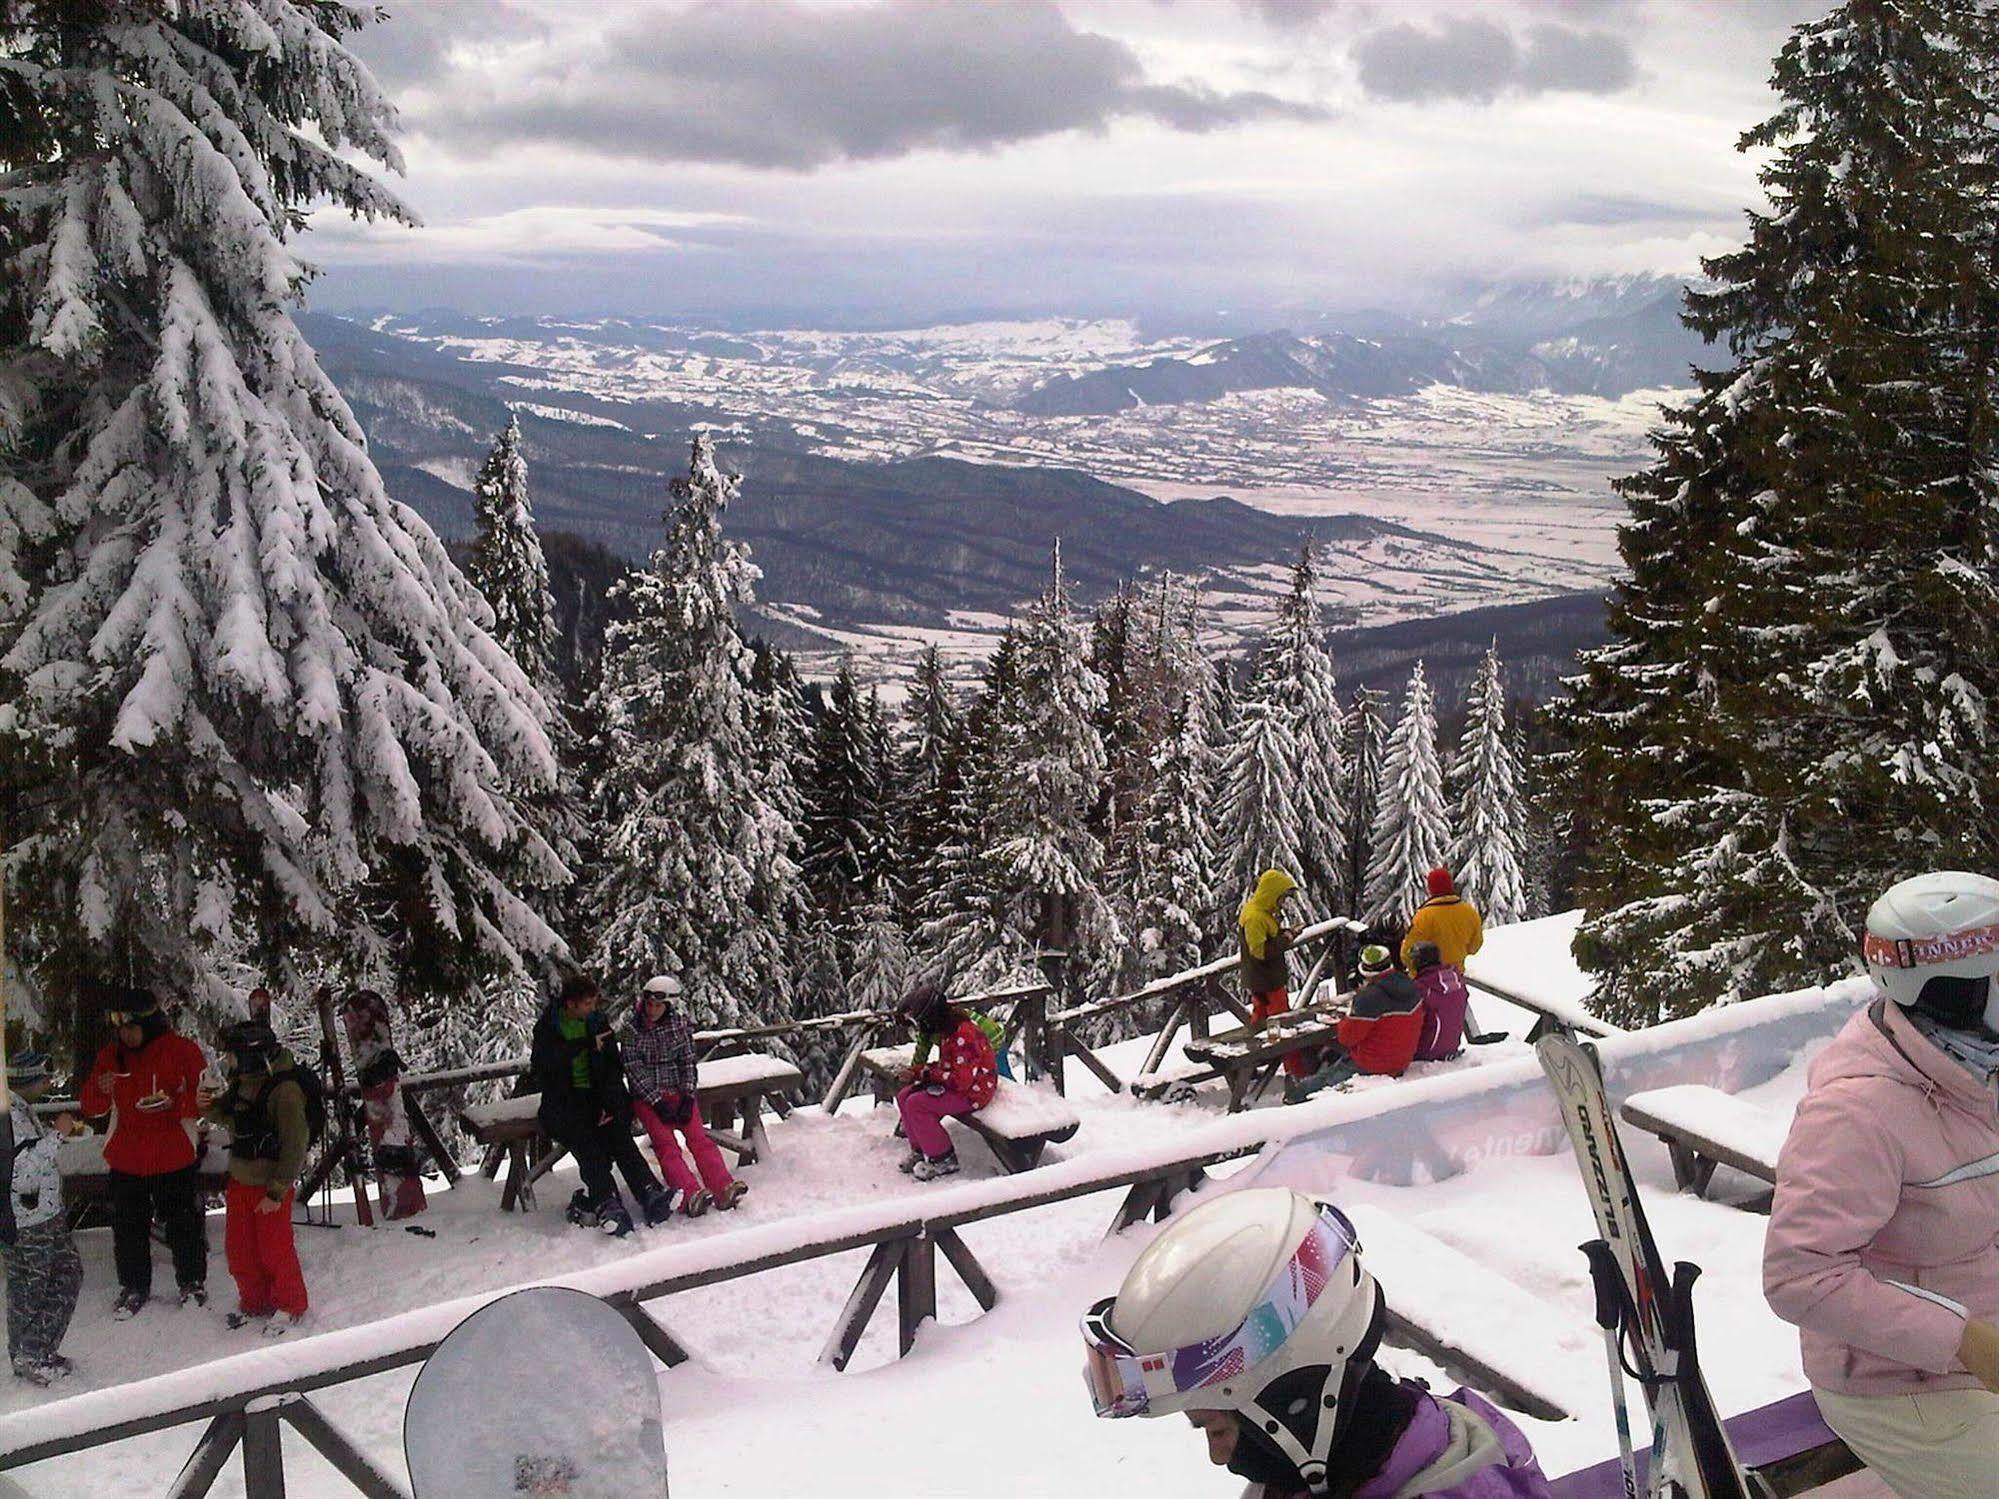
(194, 1295)
(907, 1165)
(238, 1320)
(126, 1307)
(698, 1202)
(580, 1211)
(931, 1167)
(280, 1324)
(659, 1206)
(39, 1371)
(731, 1195)
(613, 1217)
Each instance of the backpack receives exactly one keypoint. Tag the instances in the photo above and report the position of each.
(255, 1133)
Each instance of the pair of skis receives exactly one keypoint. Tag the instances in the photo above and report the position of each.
(1648, 1320)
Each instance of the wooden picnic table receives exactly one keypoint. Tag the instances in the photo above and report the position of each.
(1248, 1057)
(1022, 1120)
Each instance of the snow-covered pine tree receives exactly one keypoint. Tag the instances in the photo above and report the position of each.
(1170, 876)
(927, 769)
(1050, 862)
(1411, 827)
(1490, 845)
(1259, 827)
(253, 724)
(849, 853)
(1294, 671)
(1366, 747)
(1792, 710)
(963, 908)
(698, 808)
(506, 563)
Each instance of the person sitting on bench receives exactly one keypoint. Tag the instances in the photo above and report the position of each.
(962, 1080)
(1378, 1035)
(1445, 1000)
(586, 1108)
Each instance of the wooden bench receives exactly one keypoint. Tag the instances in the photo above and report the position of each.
(1249, 1056)
(510, 1130)
(1704, 1128)
(1021, 1121)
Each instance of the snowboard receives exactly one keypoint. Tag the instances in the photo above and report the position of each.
(378, 1073)
(543, 1392)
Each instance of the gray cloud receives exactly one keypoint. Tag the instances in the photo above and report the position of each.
(1609, 210)
(782, 86)
(1478, 60)
(411, 48)
(1290, 14)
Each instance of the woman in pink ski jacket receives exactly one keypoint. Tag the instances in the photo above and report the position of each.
(1883, 1246)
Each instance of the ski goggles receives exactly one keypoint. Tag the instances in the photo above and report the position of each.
(117, 1018)
(1924, 952)
(1125, 1381)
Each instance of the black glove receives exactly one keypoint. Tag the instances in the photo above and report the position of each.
(679, 1108)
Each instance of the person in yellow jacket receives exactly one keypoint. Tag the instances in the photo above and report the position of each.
(1265, 941)
(1447, 919)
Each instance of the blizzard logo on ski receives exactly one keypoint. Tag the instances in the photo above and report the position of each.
(1921, 952)
(1970, 1171)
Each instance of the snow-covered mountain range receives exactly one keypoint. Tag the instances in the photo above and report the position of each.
(906, 485)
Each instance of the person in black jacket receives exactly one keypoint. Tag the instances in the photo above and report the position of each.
(586, 1108)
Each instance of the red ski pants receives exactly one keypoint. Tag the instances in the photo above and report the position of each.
(1277, 1002)
(261, 1253)
(672, 1164)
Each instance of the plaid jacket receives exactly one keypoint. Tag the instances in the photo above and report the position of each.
(659, 1059)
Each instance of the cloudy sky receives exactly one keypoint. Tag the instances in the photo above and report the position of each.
(888, 160)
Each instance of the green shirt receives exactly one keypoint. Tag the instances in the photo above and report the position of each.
(579, 1067)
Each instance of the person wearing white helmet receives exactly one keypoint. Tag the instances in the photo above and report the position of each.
(1253, 1316)
(1883, 1246)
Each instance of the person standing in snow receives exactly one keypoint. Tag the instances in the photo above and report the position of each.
(1377, 1035)
(264, 1108)
(148, 1080)
(1881, 1246)
(960, 1080)
(44, 1271)
(1266, 974)
(657, 1044)
(587, 1109)
(1447, 919)
(1253, 1316)
(1445, 1003)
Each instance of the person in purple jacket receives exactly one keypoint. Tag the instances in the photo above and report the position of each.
(1253, 1316)
(1445, 1000)
(1884, 1234)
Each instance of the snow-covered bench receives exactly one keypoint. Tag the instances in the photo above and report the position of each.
(1481, 1327)
(744, 1084)
(1704, 1128)
(85, 1176)
(1021, 1121)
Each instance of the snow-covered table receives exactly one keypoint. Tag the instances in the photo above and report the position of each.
(1021, 1121)
(1249, 1056)
(1704, 1128)
(85, 1176)
(726, 1086)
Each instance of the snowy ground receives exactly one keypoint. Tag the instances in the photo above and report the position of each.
(754, 1413)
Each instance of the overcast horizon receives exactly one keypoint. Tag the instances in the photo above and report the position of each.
(872, 162)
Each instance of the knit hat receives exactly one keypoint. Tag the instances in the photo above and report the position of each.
(26, 1067)
(1375, 960)
(1438, 882)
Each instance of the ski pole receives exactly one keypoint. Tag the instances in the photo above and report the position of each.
(1604, 1276)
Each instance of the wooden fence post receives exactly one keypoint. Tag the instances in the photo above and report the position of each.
(915, 1289)
(348, 1460)
(204, 1465)
(263, 1448)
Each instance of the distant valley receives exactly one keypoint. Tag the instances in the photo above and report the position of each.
(907, 486)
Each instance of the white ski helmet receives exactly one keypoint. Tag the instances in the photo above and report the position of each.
(662, 986)
(1932, 944)
(1256, 1303)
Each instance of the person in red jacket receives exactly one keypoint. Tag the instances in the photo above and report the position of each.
(147, 1080)
(1378, 1035)
(960, 1078)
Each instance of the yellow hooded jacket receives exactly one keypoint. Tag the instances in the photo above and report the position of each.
(1263, 946)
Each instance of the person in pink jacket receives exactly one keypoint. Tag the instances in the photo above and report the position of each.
(1883, 1246)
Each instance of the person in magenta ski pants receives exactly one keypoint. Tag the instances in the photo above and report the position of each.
(657, 1044)
(960, 1078)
